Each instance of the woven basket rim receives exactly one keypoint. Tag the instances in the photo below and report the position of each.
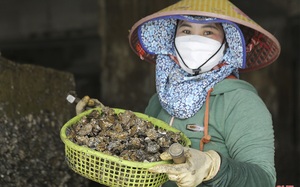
(115, 159)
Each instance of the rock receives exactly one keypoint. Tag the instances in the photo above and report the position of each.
(26, 89)
(33, 108)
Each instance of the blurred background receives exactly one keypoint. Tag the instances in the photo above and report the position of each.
(89, 39)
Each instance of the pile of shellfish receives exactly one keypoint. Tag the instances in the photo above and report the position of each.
(124, 135)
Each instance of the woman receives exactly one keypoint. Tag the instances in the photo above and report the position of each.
(199, 47)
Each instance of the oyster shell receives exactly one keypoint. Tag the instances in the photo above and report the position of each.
(123, 135)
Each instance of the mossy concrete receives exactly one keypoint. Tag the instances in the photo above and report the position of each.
(27, 89)
(33, 108)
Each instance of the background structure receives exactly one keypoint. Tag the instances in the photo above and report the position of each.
(89, 39)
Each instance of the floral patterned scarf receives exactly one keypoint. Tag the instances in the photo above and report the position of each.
(181, 94)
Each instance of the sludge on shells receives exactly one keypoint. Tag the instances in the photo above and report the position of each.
(123, 135)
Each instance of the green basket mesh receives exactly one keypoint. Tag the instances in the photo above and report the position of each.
(112, 170)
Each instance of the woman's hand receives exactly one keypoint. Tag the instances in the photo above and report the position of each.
(199, 166)
(85, 103)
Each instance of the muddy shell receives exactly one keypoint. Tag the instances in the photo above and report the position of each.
(123, 135)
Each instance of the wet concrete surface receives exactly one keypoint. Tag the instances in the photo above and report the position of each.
(32, 111)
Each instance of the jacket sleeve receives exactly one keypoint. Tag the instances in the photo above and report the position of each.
(249, 137)
(153, 107)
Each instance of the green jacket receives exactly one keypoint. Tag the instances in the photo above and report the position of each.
(241, 131)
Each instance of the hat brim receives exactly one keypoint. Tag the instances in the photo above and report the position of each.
(262, 47)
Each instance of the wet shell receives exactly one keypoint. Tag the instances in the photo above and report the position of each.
(123, 135)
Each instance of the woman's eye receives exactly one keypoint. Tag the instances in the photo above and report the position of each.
(186, 32)
(206, 33)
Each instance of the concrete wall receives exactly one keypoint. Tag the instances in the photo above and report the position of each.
(33, 108)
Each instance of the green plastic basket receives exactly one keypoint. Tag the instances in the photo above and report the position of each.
(112, 170)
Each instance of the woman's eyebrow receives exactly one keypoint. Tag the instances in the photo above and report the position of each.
(183, 24)
(212, 26)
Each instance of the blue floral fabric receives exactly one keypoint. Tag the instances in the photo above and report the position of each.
(180, 93)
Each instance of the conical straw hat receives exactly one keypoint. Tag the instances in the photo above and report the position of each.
(262, 47)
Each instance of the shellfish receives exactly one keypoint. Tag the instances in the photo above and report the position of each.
(123, 135)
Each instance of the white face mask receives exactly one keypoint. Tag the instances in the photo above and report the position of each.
(197, 54)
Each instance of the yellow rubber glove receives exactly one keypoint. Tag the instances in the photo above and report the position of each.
(199, 166)
(86, 103)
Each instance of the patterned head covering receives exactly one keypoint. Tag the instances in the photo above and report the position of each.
(181, 94)
(262, 47)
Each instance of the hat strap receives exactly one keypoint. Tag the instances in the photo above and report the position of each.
(206, 137)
